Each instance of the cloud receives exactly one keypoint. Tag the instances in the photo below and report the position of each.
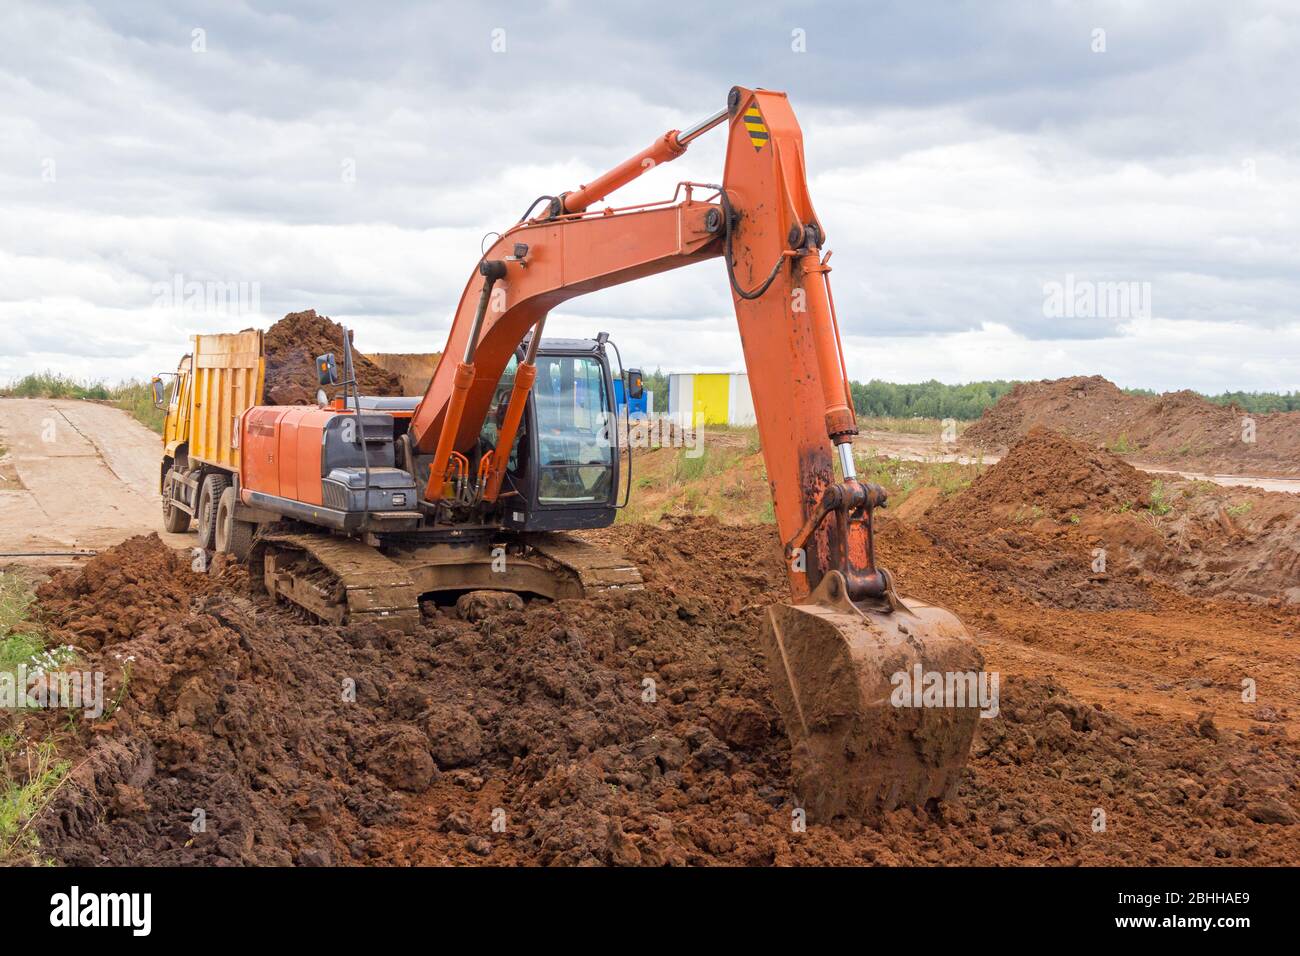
(961, 157)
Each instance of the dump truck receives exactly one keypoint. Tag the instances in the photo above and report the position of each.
(215, 383)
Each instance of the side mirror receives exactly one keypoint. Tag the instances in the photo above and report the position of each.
(327, 369)
(159, 392)
(635, 385)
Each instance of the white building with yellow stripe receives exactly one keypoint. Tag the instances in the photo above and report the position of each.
(710, 398)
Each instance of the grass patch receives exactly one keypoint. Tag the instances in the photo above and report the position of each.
(19, 641)
(134, 398)
(687, 468)
(1160, 504)
(901, 478)
(1198, 487)
(30, 774)
(30, 770)
(1025, 515)
(729, 480)
(910, 426)
(725, 478)
(1121, 446)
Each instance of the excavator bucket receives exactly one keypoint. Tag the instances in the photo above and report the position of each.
(844, 678)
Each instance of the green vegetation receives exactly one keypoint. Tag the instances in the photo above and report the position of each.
(1237, 510)
(687, 468)
(135, 398)
(936, 400)
(1258, 403)
(30, 771)
(1027, 516)
(932, 427)
(30, 774)
(1159, 499)
(877, 399)
(19, 642)
(930, 399)
(901, 478)
(50, 385)
(1121, 446)
(656, 382)
(1198, 487)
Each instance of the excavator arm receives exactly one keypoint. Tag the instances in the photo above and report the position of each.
(761, 221)
(835, 651)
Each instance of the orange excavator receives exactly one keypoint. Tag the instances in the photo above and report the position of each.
(366, 507)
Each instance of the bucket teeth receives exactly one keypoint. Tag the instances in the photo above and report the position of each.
(859, 747)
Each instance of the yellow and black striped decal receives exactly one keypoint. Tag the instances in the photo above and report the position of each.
(757, 128)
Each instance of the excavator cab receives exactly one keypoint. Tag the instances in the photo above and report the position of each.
(563, 472)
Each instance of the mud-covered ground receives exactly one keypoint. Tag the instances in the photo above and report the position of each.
(533, 737)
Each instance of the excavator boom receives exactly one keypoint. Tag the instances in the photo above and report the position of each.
(835, 651)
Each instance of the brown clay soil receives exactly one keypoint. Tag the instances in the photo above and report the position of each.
(1177, 429)
(1121, 694)
(292, 347)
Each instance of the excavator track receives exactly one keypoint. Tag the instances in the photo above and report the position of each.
(342, 580)
(338, 580)
(597, 569)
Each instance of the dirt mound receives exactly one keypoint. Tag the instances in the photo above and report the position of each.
(1180, 429)
(292, 346)
(1040, 520)
(1087, 407)
(1074, 526)
(121, 592)
(632, 728)
(1236, 543)
(1058, 476)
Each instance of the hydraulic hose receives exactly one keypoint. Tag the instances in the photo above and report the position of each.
(728, 214)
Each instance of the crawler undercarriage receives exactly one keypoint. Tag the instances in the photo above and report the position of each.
(341, 579)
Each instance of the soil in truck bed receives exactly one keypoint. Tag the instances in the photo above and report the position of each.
(292, 346)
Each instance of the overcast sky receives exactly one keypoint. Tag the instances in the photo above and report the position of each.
(967, 160)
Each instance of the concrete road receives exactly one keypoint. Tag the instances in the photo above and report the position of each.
(75, 476)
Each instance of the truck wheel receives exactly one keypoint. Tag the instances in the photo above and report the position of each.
(175, 521)
(234, 537)
(213, 488)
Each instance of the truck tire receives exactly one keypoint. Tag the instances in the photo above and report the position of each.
(175, 521)
(214, 486)
(234, 537)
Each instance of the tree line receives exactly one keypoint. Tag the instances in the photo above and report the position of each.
(933, 399)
